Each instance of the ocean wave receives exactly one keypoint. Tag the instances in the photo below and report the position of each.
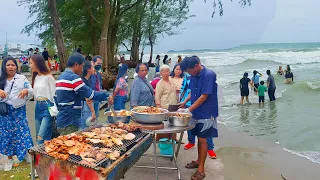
(313, 156)
(307, 85)
(313, 85)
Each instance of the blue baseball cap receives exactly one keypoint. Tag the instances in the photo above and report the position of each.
(189, 62)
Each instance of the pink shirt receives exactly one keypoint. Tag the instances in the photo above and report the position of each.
(155, 82)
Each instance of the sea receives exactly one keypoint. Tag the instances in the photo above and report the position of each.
(293, 120)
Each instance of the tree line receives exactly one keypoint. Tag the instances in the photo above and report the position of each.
(102, 26)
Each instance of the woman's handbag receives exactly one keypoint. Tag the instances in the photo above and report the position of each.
(53, 110)
(4, 105)
(3, 109)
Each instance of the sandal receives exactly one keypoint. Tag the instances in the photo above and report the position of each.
(192, 165)
(198, 176)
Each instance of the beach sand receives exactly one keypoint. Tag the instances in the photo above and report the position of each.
(248, 158)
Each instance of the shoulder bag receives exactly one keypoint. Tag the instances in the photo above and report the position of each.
(4, 105)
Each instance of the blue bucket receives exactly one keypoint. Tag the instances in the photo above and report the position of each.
(165, 148)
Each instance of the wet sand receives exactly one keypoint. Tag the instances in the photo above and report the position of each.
(248, 158)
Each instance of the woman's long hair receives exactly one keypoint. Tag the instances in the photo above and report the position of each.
(122, 71)
(165, 59)
(174, 68)
(4, 75)
(39, 61)
(87, 65)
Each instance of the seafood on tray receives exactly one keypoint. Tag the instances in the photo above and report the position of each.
(80, 144)
(150, 110)
(122, 113)
(64, 146)
(127, 127)
(109, 136)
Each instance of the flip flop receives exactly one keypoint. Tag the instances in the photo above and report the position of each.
(198, 176)
(192, 165)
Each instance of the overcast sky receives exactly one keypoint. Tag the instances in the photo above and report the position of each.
(264, 21)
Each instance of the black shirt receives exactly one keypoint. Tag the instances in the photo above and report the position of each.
(45, 55)
(88, 83)
(244, 83)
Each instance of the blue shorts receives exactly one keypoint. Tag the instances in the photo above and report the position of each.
(205, 128)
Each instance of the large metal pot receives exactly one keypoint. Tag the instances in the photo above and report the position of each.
(147, 118)
(179, 121)
(114, 119)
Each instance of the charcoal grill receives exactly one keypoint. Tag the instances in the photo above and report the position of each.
(130, 152)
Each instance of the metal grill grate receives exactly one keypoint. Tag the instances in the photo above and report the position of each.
(104, 162)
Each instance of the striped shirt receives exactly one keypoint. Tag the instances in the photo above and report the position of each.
(70, 90)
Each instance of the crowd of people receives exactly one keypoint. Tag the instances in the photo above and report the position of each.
(259, 87)
(71, 102)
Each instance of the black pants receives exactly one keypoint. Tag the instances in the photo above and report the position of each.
(271, 94)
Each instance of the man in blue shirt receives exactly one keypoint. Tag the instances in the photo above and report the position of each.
(204, 108)
(70, 90)
(96, 80)
(184, 93)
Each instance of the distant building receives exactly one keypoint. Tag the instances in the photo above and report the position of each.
(15, 52)
(25, 47)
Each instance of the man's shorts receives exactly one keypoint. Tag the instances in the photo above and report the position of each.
(205, 128)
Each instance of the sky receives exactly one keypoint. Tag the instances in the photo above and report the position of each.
(264, 21)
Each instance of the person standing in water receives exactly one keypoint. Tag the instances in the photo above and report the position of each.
(280, 71)
(261, 90)
(244, 88)
(255, 80)
(271, 86)
(288, 75)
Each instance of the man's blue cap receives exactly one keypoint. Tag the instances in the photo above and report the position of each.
(189, 62)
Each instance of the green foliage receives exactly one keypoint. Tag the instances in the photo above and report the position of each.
(130, 20)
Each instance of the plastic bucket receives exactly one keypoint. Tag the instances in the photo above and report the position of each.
(165, 147)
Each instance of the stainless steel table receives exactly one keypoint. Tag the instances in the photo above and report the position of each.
(168, 129)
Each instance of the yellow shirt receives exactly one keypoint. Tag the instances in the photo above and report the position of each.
(166, 94)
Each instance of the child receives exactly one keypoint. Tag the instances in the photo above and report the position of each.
(261, 90)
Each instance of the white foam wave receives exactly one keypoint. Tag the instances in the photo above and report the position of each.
(313, 156)
(223, 123)
(313, 85)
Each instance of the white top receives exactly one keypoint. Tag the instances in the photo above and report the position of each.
(20, 82)
(45, 87)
